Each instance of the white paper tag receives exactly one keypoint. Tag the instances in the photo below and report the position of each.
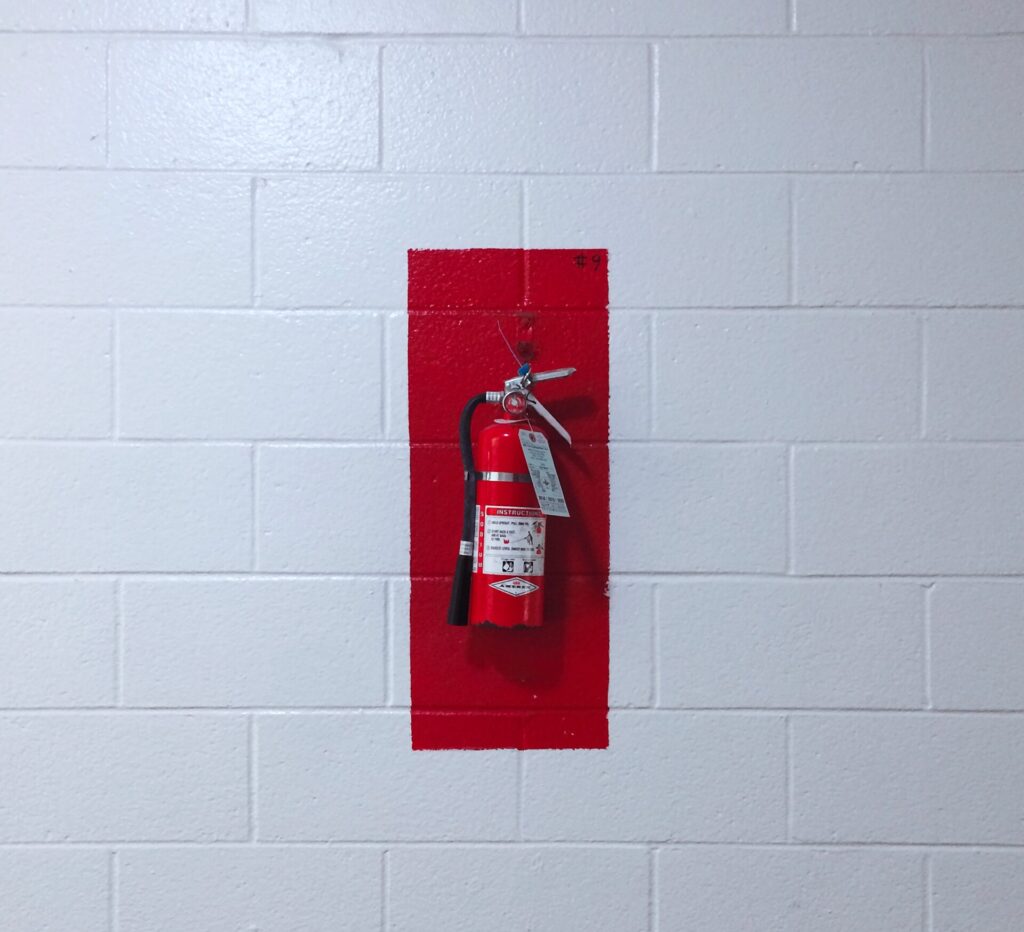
(543, 473)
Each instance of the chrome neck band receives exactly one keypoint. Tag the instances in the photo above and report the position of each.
(503, 477)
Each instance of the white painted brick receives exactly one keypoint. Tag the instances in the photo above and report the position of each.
(789, 106)
(655, 17)
(977, 891)
(53, 104)
(905, 509)
(58, 643)
(124, 15)
(786, 376)
(83, 507)
(631, 653)
(55, 373)
(280, 642)
(783, 643)
(910, 17)
(396, 376)
(270, 889)
(973, 375)
(977, 641)
(123, 777)
(222, 433)
(112, 238)
(334, 509)
(666, 776)
(673, 242)
(284, 105)
(975, 122)
(736, 889)
(354, 776)
(237, 376)
(399, 661)
(536, 889)
(682, 508)
(629, 375)
(928, 779)
(385, 16)
(55, 891)
(342, 242)
(926, 240)
(587, 98)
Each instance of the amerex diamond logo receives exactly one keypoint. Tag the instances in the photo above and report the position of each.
(514, 586)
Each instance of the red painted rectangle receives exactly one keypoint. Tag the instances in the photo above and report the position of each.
(486, 687)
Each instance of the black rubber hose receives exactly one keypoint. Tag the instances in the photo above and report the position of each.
(458, 606)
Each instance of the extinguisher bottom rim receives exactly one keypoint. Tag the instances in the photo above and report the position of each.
(495, 624)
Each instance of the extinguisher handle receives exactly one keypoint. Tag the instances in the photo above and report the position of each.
(458, 604)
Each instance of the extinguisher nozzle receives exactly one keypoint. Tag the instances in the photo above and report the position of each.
(458, 606)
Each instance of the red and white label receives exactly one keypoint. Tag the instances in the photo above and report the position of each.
(514, 586)
(511, 541)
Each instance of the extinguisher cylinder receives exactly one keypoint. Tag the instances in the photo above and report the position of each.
(510, 537)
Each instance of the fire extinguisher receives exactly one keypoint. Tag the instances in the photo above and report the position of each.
(499, 573)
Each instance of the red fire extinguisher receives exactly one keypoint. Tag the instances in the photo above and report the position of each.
(499, 574)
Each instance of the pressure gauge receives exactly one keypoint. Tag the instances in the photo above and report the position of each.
(514, 403)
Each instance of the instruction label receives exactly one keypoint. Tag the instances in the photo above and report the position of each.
(543, 473)
(512, 541)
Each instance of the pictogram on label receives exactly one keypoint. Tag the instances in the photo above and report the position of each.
(514, 586)
(512, 541)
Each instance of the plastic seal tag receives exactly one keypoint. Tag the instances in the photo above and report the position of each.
(543, 473)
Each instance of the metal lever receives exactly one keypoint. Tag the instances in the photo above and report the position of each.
(551, 374)
(534, 403)
(517, 395)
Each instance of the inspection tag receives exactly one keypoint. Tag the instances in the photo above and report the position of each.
(543, 473)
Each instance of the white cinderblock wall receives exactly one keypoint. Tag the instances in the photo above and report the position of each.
(815, 212)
